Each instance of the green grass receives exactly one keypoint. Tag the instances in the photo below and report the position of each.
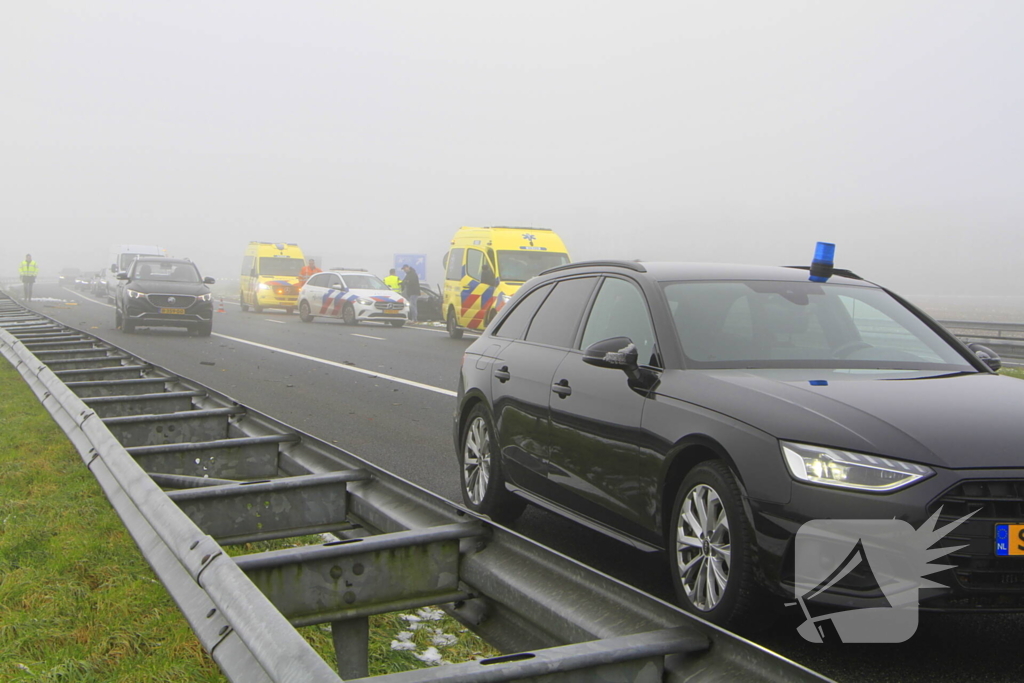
(78, 603)
(1013, 372)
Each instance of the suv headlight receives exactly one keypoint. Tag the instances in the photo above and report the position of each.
(849, 470)
(362, 301)
(132, 294)
(205, 297)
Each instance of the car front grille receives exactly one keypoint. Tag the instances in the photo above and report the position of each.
(171, 300)
(976, 566)
(389, 305)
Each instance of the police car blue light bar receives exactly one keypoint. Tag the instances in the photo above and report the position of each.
(824, 260)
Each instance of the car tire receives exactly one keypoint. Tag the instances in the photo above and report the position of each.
(304, 314)
(127, 326)
(118, 320)
(454, 331)
(241, 300)
(289, 311)
(257, 309)
(713, 572)
(480, 473)
(397, 323)
(348, 314)
(205, 329)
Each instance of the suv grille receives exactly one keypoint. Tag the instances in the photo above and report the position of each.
(389, 305)
(976, 566)
(164, 300)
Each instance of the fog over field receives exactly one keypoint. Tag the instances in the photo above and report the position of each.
(727, 132)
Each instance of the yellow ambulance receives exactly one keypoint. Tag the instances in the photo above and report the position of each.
(271, 276)
(484, 267)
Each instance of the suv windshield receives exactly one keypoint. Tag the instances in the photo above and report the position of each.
(277, 266)
(165, 271)
(520, 266)
(769, 324)
(363, 282)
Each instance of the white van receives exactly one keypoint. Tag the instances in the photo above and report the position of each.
(121, 257)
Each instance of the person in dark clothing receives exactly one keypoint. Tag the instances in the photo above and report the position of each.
(411, 291)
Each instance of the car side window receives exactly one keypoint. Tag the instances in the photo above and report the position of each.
(474, 264)
(620, 310)
(558, 318)
(514, 325)
(317, 280)
(335, 280)
(455, 264)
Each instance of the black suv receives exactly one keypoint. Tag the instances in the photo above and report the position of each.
(164, 292)
(709, 411)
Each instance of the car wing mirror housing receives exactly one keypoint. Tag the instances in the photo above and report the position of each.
(987, 355)
(617, 352)
(209, 281)
(122, 275)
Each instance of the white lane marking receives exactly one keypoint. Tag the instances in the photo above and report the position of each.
(342, 366)
(441, 331)
(368, 373)
(279, 322)
(366, 336)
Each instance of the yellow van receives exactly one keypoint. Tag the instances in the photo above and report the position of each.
(484, 267)
(270, 276)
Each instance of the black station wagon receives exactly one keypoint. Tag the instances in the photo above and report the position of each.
(709, 411)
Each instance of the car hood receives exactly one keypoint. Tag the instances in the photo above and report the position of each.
(955, 421)
(377, 294)
(164, 287)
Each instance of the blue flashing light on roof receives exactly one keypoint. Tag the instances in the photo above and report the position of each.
(824, 260)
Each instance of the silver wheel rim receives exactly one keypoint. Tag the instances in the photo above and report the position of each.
(476, 460)
(703, 551)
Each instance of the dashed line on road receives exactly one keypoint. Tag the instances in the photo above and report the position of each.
(279, 322)
(342, 366)
(366, 336)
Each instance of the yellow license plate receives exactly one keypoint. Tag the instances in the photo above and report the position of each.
(390, 312)
(173, 311)
(1010, 539)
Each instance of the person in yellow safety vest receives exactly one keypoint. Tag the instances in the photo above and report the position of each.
(28, 270)
(393, 282)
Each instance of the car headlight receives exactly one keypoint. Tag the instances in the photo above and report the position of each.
(849, 470)
(264, 286)
(364, 302)
(132, 294)
(205, 297)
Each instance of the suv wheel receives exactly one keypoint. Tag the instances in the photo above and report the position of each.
(483, 484)
(453, 325)
(712, 553)
(304, 314)
(205, 329)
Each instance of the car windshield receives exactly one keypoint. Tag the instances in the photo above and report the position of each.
(165, 271)
(520, 266)
(277, 266)
(366, 281)
(773, 324)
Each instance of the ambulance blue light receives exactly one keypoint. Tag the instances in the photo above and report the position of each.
(824, 260)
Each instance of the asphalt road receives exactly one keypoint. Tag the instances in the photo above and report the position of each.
(387, 395)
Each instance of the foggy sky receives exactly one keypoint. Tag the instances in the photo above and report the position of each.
(701, 131)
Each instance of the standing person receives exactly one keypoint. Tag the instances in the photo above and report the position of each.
(28, 271)
(411, 291)
(309, 270)
(393, 282)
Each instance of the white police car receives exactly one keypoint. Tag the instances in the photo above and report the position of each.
(352, 295)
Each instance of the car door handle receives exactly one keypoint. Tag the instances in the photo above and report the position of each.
(562, 388)
(503, 374)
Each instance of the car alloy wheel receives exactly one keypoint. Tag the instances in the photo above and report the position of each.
(483, 484)
(703, 547)
(304, 314)
(476, 460)
(348, 314)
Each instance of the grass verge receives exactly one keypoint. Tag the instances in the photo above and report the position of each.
(79, 603)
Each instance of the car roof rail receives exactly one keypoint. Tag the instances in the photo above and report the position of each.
(631, 265)
(842, 272)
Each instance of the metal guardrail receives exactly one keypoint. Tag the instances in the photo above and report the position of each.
(1006, 339)
(234, 475)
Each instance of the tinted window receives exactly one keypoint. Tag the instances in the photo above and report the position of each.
(514, 326)
(620, 310)
(556, 321)
(455, 265)
(474, 263)
(318, 280)
(165, 271)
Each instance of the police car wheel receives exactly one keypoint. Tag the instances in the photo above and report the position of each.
(304, 314)
(348, 314)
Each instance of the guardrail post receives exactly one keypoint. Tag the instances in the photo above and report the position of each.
(352, 647)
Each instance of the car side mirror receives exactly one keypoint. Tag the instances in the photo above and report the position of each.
(337, 287)
(113, 267)
(209, 281)
(617, 352)
(122, 275)
(987, 355)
